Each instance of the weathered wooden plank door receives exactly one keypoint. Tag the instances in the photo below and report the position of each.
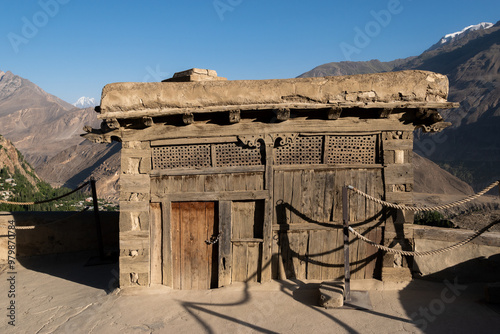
(247, 221)
(192, 223)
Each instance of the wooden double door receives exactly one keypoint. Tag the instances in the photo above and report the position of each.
(188, 253)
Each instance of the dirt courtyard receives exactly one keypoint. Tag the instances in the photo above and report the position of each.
(59, 294)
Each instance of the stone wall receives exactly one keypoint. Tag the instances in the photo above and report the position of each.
(477, 261)
(134, 213)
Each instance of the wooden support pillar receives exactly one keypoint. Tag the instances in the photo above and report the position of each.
(225, 258)
(267, 252)
(345, 217)
(167, 274)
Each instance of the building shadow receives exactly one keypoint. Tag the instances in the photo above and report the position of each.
(306, 294)
(73, 267)
(61, 244)
(454, 299)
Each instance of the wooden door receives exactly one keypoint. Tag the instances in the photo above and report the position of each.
(194, 261)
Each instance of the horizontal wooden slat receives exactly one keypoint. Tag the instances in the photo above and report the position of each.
(137, 264)
(300, 106)
(398, 174)
(137, 183)
(134, 240)
(335, 225)
(127, 206)
(250, 240)
(201, 140)
(213, 196)
(207, 171)
(135, 152)
(398, 144)
(399, 197)
(326, 167)
(160, 132)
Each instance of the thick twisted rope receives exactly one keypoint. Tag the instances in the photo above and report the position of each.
(427, 253)
(432, 208)
(46, 200)
(32, 227)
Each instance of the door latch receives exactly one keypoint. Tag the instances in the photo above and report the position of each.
(213, 240)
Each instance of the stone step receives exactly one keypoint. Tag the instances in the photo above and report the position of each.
(331, 294)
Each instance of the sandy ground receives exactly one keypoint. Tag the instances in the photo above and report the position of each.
(58, 294)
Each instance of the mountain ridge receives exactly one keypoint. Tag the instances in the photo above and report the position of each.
(38, 123)
(448, 38)
(472, 65)
(85, 102)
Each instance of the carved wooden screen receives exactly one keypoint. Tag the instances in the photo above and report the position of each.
(205, 156)
(351, 149)
(232, 155)
(303, 150)
(342, 149)
(181, 156)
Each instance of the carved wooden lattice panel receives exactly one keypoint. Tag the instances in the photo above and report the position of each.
(182, 156)
(232, 154)
(351, 149)
(303, 150)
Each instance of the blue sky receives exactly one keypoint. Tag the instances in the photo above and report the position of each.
(72, 48)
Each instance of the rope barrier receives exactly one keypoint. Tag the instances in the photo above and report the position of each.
(434, 208)
(418, 209)
(46, 200)
(432, 252)
(32, 227)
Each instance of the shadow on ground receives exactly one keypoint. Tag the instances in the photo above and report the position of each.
(73, 267)
(434, 301)
(305, 293)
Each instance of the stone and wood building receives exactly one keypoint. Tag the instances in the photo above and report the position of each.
(236, 181)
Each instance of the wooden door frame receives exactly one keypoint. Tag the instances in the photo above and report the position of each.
(224, 205)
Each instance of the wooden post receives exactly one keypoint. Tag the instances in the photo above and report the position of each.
(345, 214)
(97, 219)
(225, 256)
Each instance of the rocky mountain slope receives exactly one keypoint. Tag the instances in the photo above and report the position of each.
(78, 163)
(472, 64)
(39, 124)
(12, 161)
(431, 179)
(46, 130)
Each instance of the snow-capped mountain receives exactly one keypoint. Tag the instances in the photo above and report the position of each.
(85, 102)
(446, 39)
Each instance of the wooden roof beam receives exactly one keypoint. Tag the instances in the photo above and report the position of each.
(234, 116)
(385, 112)
(334, 113)
(282, 114)
(188, 118)
(147, 121)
